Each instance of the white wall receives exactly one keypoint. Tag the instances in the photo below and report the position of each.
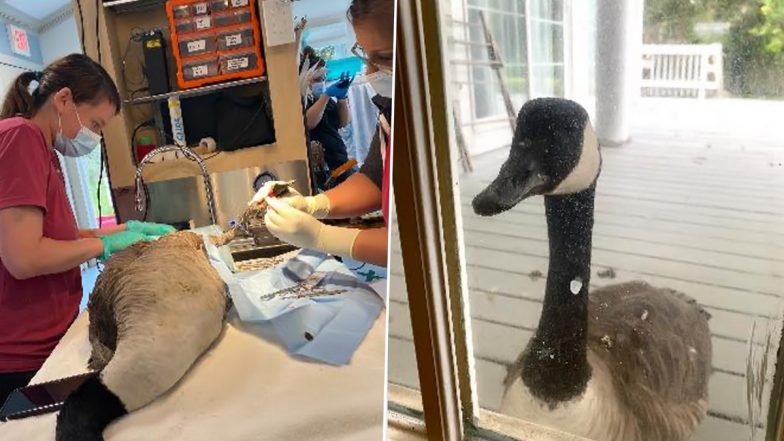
(59, 40)
(8, 74)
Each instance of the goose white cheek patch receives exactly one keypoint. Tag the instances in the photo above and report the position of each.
(587, 167)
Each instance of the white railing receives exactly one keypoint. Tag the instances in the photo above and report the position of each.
(691, 70)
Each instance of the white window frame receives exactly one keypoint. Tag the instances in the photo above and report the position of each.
(501, 115)
(530, 42)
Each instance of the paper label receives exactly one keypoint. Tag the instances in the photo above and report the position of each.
(200, 8)
(201, 71)
(233, 40)
(238, 63)
(239, 3)
(197, 45)
(203, 22)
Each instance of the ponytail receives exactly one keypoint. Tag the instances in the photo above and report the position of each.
(89, 82)
(19, 100)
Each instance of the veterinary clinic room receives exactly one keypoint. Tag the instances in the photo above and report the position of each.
(193, 219)
(599, 203)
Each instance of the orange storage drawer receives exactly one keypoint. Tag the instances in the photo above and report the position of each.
(202, 43)
(238, 62)
(232, 17)
(200, 8)
(201, 68)
(237, 38)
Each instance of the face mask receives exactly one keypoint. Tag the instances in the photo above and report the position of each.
(84, 142)
(318, 89)
(381, 82)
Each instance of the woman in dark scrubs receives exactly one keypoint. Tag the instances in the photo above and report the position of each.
(327, 112)
(294, 219)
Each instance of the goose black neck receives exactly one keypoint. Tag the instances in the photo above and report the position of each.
(556, 368)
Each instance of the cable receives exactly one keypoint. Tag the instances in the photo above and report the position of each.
(81, 25)
(358, 268)
(100, 181)
(103, 144)
(137, 34)
(97, 28)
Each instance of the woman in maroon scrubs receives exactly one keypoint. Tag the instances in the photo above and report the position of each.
(63, 108)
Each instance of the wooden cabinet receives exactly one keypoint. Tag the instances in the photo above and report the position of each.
(116, 21)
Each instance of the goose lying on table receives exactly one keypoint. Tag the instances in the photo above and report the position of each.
(155, 309)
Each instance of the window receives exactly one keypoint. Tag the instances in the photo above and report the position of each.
(687, 201)
(506, 21)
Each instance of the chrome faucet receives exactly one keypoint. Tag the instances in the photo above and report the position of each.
(188, 153)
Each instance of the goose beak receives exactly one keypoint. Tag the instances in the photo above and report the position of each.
(514, 183)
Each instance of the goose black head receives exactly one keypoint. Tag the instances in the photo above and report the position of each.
(554, 152)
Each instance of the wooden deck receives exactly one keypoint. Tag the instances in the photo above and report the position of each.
(696, 212)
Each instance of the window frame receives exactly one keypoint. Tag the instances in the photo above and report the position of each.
(434, 263)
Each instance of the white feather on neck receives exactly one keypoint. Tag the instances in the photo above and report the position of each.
(587, 168)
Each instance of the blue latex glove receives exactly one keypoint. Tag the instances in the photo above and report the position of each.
(149, 228)
(339, 89)
(120, 241)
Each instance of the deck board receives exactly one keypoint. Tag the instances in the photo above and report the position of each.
(692, 211)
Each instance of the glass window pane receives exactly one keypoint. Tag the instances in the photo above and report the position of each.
(402, 369)
(547, 42)
(547, 9)
(506, 25)
(547, 80)
(689, 207)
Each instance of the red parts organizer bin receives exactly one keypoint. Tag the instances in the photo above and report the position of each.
(215, 41)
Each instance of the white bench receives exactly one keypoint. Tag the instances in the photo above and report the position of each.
(683, 70)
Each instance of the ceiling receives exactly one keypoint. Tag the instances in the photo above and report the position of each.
(33, 14)
(319, 11)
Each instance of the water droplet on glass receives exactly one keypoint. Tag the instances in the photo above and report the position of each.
(607, 341)
(692, 350)
(644, 315)
(576, 285)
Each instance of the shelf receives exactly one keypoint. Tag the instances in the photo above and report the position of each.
(132, 5)
(196, 91)
(216, 163)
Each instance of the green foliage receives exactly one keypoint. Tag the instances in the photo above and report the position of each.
(772, 28)
(670, 21)
(753, 47)
(754, 50)
(326, 53)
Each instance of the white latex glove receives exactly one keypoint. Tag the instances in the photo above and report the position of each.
(303, 230)
(316, 206)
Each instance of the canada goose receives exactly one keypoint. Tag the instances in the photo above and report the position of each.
(629, 362)
(155, 309)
